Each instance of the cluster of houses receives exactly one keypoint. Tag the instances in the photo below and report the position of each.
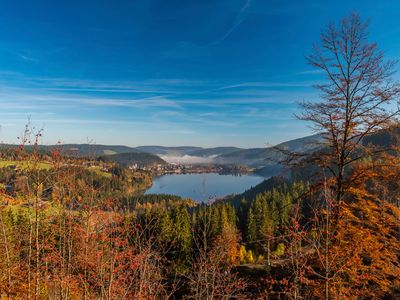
(173, 168)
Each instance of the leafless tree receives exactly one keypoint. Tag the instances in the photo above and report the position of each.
(358, 97)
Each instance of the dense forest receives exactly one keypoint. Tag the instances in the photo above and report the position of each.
(74, 228)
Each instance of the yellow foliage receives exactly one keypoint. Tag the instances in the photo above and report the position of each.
(260, 259)
(242, 254)
(363, 254)
(280, 249)
(249, 257)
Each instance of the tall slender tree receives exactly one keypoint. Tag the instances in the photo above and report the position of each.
(358, 96)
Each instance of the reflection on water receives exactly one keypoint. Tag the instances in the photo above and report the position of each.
(202, 187)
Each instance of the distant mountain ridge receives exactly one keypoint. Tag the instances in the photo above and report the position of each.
(215, 151)
(162, 150)
(264, 159)
(259, 157)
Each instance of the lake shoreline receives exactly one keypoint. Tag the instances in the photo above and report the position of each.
(201, 169)
(203, 187)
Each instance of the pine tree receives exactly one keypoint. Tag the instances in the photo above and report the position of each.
(182, 234)
(251, 227)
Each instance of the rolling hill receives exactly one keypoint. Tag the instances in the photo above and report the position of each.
(172, 151)
(94, 150)
(217, 151)
(262, 157)
(141, 159)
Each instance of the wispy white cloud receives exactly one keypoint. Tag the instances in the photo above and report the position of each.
(167, 113)
(157, 86)
(59, 84)
(243, 100)
(261, 86)
(137, 103)
(76, 121)
(27, 58)
(32, 98)
(309, 72)
(28, 113)
(210, 114)
(240, 17)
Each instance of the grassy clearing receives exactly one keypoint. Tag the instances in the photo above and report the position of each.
(97, 170)
(48, 209)
(25, 164)
(109, 152)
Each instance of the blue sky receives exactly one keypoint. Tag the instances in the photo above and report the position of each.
(206, 73)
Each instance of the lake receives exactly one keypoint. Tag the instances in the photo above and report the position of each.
(202, 187)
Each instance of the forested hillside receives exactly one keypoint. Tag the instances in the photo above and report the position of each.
(133, 158)
(68, 231)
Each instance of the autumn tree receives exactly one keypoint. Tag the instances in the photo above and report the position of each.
(358, 95)
(359, 258)
(358, 100)
(212, 276)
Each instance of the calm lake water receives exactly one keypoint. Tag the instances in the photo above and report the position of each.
(201, 187)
